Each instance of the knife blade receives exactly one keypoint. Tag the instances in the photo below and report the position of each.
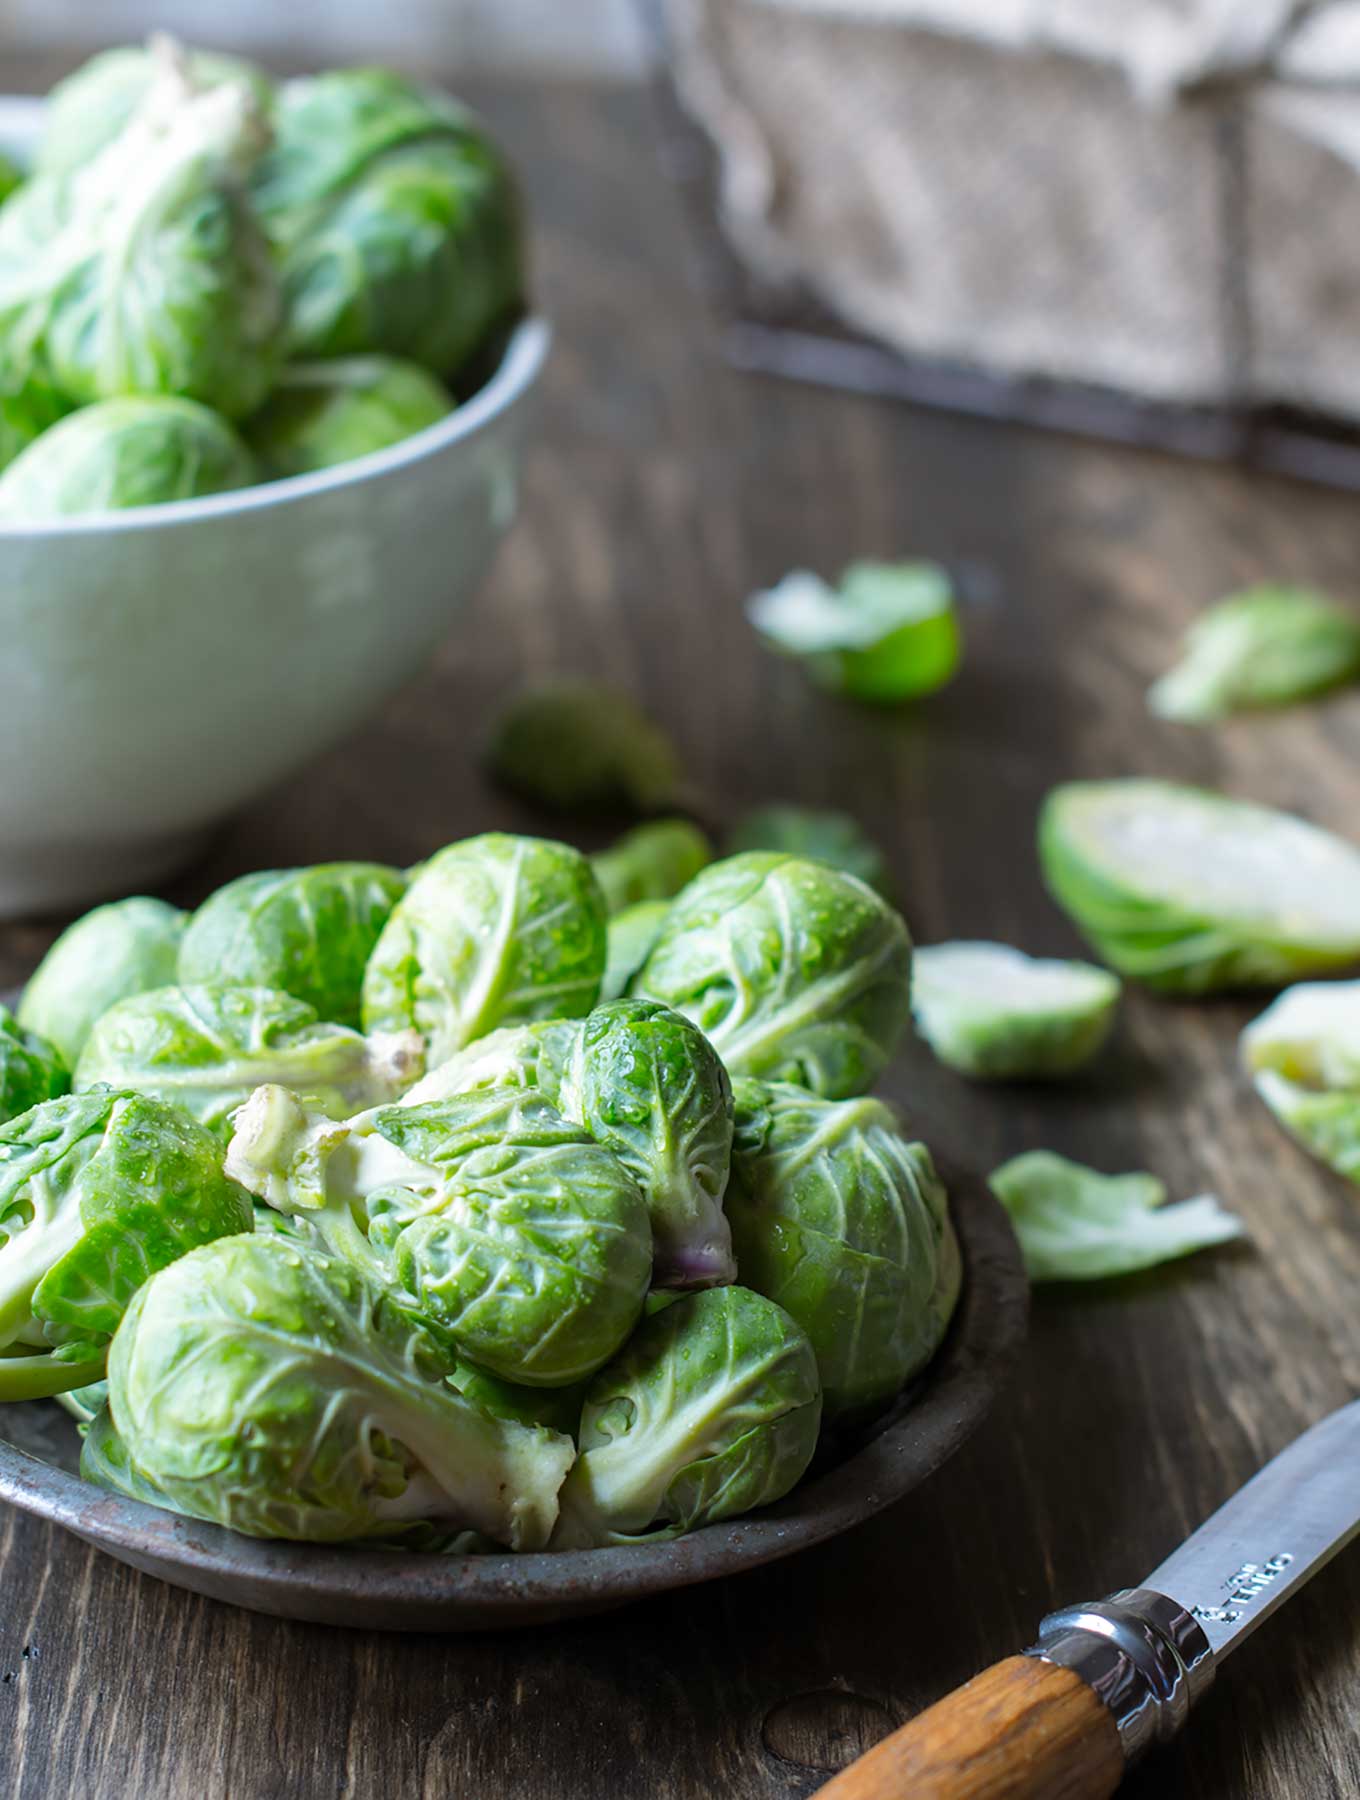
(1109, 1680)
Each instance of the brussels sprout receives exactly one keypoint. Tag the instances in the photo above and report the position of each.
(528, 1057)
(580, 747)
(1303, 1054)
(104, 1459)
(889, 633)
(121, 454)
(793, 971)
(496, 930)
(271, 1388)
(29, 404)
(833, 838)
(711, 1410)
(997, 1014)
(326, 413)
(558, 1409)
(396, 220)
(93, 106)
(85, 1404)
(846, 1225)
(1076, 1225)
(1188, 891)
(31, 1069)
(1266, 647)
(11, 177)
(503, 1226)
(307, 932)
(97, 1191)
(208, 1049)
(646, 1084)
(144, 271)
(628, 944)
(651, 862)
(114, 951)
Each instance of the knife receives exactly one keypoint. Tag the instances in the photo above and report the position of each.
(1107, 1682)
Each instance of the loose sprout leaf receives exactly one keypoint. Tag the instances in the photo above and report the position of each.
(1267, 647)
(1303, 1054)
(579, 747)
(325, 413)
(994, 1013)
(632, 933)
(113, 952)
(31, 1070)
(529, 1057)
(651, 862)
(890, 632)
(1188, 891)
(834, 838)
(1077, 1225)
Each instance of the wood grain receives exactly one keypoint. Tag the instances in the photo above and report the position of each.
(665, 489)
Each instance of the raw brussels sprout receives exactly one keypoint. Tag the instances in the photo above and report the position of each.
(711, 1410)
(846, 1225)
(96, 1192)
(1188, 891)
(31, 1069)
(29, 404)
(793, 971)
(104, 1460)
(628, 944)
(651, 862)
(497, 930)
(324, 413)
(208, 1049)
(307, 932)
(997, 1014)
(647, 1084)
(143, 271)
(396, 221)
(834, 838)
(114, 951)
(558, 1409)
(11, 177)
(527, 1057)
(121, 454)
(85, 1404)
(1267, 647)
(1076, 1225)
(1303, 1054)
(501, 1224)
(890, 632)
(272, 1388)
(579, 747)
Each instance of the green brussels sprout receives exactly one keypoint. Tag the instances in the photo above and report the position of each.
(306, 932)
(890, 632)
(580, 747)
(503, 1226)
(29, 404)
(325, 413)
(144, 271)
(115, 951)
(1267, 647)
(651, 862)
(628, 944)
(85, 1404)
(647, 1084)
(1303, 1055)
(833, 838)
(1188, 891)
(121, 454)
(557, 1409)
(11, 177)
(711, 1410)
(846, 1225)
(527, 1057)
(104, 1459)
(208, 1049)
(93, 106)
(496, 930)
(271, 1388)
(31, 1069)
(793, 971)
(396, 221)
(97, 1191)
(998, 1015)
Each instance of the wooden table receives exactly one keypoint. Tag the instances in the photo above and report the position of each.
(666, 488)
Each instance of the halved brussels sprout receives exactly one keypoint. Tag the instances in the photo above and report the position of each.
(580, 747)
(834, 838)
(630, 940)
(1266, 647)
(846, 1225)
(528, 1057)
(890, 632)
(31, 1070)
(325, 413)
(651, 862)
(497, 1221)
(305, 932)
(496, 930)
(710, 1411)
(997, 1014)
(116, 950)
(1188, 891)
(273, 1389)
(208, 1049)
(1303, 1054)
(96, 1192)
(793, 971)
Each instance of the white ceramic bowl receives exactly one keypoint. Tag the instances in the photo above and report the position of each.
(160, 667)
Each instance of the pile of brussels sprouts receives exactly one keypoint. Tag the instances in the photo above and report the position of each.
(208, 282)
(516, 1201)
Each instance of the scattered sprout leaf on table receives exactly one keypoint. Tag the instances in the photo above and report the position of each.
(1267, 647)
(996, 1014)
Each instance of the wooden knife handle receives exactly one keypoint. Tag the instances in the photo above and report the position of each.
(1024, 1729)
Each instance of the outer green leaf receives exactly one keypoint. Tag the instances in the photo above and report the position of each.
(30, 1068)
(890, 633)
(651, 862)
(579, 747)
(325, 413)
(997, 1014)
(1267, 647)
(114, 951)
